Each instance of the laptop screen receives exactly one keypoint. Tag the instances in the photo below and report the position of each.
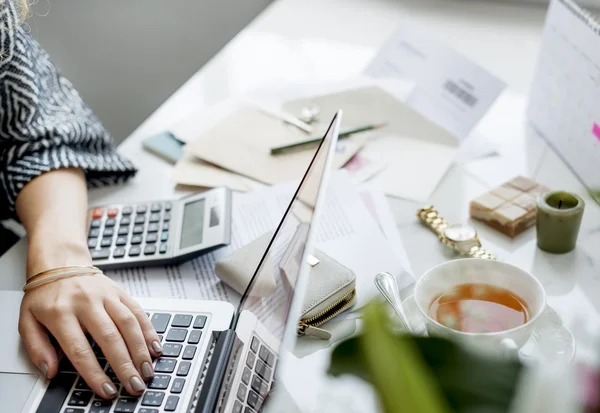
(282, 259)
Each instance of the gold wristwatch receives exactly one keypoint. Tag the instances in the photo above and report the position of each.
(460, 237)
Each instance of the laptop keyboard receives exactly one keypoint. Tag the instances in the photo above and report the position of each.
(179, 335)
(257, 378)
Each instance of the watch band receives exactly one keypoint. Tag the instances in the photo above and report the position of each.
(478, 252)
(433, 219)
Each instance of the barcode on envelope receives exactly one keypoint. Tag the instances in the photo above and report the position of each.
(460, 93)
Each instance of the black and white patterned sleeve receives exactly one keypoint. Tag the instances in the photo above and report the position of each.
(44, 123)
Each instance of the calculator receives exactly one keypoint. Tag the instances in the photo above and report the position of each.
(159, 232)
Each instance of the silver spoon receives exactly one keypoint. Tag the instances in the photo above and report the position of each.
(388, 287)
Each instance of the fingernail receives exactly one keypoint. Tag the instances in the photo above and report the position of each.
(157, 347)
(44, 369)
(137, 384)
(109, 389)
(147, 370)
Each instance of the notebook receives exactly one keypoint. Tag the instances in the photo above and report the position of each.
(564, 105)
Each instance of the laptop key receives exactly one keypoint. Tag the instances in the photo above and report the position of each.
(177, 386)
(250, 360)
(160, 322)
(241, 393)
(65, 365)
(263, 371)
(159, 382)
(57, 392)
(189, 352)
(253, 399)
(74, 410)
(194, 337)
(246, 375)
(182, 320)
(126, 405)
(153, 398)
(80, 398)
(237, 407)
(111, 374)
(165, 365)
(254, 344)
(184, 368)
(146, 410)
(82, 385)
(172, 350)
(101, 406)
(200, 321)
(171, 403)
(177, 334)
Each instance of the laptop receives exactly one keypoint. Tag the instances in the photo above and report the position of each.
(216, 358)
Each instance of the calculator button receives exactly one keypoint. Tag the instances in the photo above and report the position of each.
(110, 222)
(94, 232)
(160, 321)
(164, 236)
(153, 227)
(96, 223)
(154, 217)
(177, 386)
(200, 321)
(151, 238)
(167, 217)
(189, 352)
(100, 254)
(140, 219)
(155, 208)
(106, 242)
(153, 398)
(97, 213)
(127, 210)
(171, 404)
(119, 252)
(112, 212)
(165, 226)
(168, 206)
(125, 221)
(177, 334)
(141, 209)
(163, 248)
(165, 365)
(121, 241)
(123, 230)
(149, 249)
(254, 344)
(184, 368)
(160, 382)
(138, 229)
(108, 232)
(136, 240)
(134, 251)
(171, 350)
(92, 242)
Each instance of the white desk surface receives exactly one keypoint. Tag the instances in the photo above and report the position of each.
(333, 39)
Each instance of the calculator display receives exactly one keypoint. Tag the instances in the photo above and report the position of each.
(193, 224)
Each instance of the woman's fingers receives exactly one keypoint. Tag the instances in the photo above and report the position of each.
(150, 335)
(106, 334)
(68, 333)
(129, 326)
(38, 345)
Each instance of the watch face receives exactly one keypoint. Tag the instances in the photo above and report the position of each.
(460, 233)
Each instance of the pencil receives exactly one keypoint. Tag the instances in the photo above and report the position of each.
(306, 143)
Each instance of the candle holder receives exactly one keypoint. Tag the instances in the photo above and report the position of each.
(558, 220)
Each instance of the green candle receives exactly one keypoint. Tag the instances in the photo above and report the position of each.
(558, 220)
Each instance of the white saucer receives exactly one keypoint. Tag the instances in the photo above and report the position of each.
(550, 342)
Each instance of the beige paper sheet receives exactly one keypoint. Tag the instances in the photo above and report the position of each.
(242, 141)
(192, 171)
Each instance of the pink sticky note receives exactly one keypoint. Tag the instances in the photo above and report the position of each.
(596, 131)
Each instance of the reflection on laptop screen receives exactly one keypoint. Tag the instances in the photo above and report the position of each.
(283, 256)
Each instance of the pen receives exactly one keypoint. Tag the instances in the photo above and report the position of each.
(302, 144)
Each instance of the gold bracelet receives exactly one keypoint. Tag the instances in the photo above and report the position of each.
(61, 269)
(55, 274)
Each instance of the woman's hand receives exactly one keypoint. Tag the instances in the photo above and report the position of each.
(95, 304)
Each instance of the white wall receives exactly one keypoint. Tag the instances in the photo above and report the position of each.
(127, 56)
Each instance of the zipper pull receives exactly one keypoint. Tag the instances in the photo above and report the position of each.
(317, 332)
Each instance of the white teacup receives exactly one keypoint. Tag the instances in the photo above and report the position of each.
(446, 276)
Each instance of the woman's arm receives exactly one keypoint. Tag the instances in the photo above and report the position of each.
(53, 209)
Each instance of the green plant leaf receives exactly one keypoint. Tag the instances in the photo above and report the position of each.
(420, 374)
